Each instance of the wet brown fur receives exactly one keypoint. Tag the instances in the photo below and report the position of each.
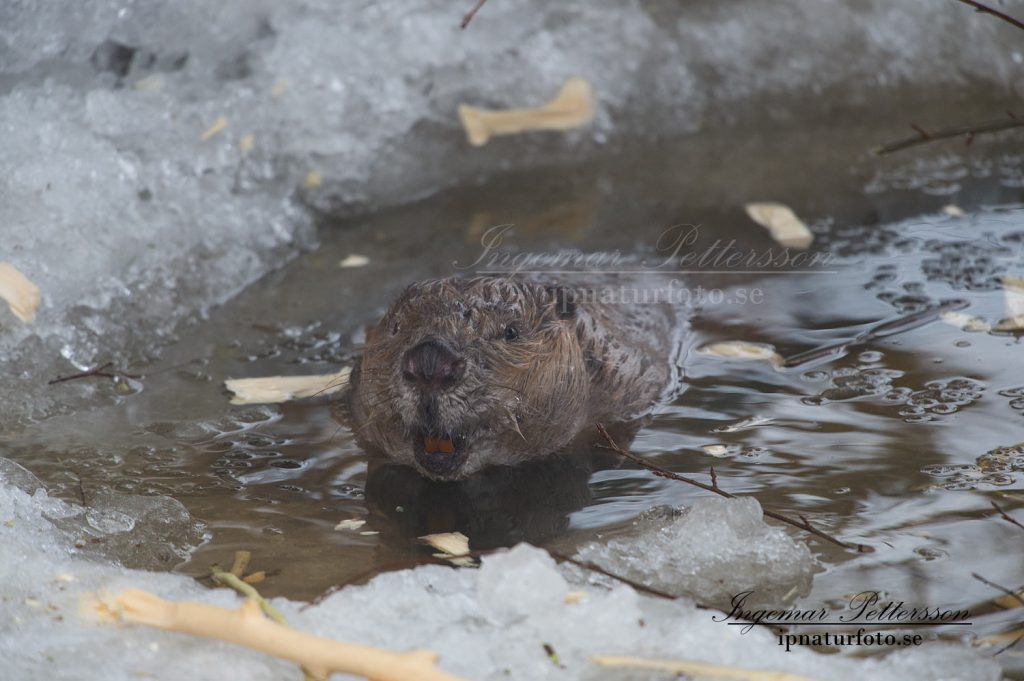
(570, 366)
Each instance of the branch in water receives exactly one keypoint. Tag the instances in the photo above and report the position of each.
(985, 9)
(968, 131)
(802, 524)
(1006, 516)
(472, 13)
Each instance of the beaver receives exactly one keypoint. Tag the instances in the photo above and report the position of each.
(461, 374)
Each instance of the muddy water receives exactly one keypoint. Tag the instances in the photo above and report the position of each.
(897, 445)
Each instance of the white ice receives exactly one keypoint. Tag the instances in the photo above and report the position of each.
(131, 219)
(487, 623)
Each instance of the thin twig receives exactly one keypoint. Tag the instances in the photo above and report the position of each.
(985, 9)
(1008, 646)
(586, 565)
(969, 130)
(802, 524)
(248, 590)
(100, 371)
(1006, 516)
(1009, 592)
(472, 13)
(430, 560)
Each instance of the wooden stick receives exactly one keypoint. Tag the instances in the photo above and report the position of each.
(1006, 516)
(967, 131)
(572, 107)
(468, 17)
(248, 627)
(985, 9)
(802, 524)
(696, 669)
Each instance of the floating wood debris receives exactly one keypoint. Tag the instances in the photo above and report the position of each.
(274, 389)
(1013, 292)
(965, 322)
(350, 524)
(742, 350)
(782, 223)
(21, 294)
(744, 424)
(571, 108)
(354, 260)
(453, 547)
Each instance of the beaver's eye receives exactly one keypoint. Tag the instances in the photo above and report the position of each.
(395, 329)
(511, 332)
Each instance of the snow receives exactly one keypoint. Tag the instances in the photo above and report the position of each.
(485, 623)
(124, 198)
(156, 158)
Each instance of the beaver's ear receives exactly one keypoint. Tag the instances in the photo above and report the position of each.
(564, 299)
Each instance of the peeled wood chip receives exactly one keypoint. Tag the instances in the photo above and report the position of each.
(955, 211)
(453, 546)
(20, 293)
(784, 226)
(701, 670)
(242, 559)
(215, 129)
(574, 597)
(1013, 293)
(1013, 290)
(717, 451)
(255, 578)
(1000, 639)
(354, 260)
(965, 321)
(452, 543)
(1009, 602)
(313, 179)
(572, 107)
(742, 350)
(280, 87)
(246, 143)
(750, 422)
(273, 389)
(1010, 324)
(350, 524)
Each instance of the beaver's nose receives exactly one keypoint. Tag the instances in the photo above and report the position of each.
(433, 365)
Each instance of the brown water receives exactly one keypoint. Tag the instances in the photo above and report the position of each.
(884, 446)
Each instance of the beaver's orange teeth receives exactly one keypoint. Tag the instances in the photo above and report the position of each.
(433, 445)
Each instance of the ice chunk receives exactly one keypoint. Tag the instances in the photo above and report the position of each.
(15, 474)
(711, 551)
(491, 623)
(130, 219)
(519, 585)
(135, 531)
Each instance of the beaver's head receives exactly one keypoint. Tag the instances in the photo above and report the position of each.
(461, 374)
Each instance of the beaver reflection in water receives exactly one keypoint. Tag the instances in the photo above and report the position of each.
(462, 374)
